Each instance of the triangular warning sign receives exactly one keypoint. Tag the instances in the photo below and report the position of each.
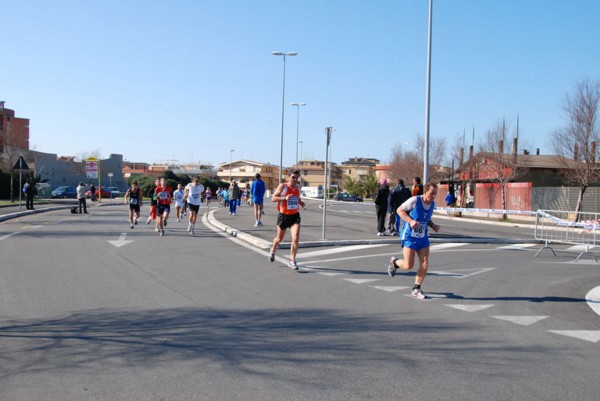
(21, 164)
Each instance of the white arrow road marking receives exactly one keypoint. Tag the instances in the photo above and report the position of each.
(522, 320)
(593, 299)
(458, 274)
(361, 280)
(592, 336)
(121, 241)
(389, 288)
(469, 308)
(9, 235)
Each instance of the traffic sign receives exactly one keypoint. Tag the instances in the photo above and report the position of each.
(21, 164)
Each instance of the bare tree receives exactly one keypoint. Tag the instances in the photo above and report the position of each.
(406, 164)
(575, 143)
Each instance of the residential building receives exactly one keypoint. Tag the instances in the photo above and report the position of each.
(312, 173)
(244, 171)
(14, 131)
(359, 167)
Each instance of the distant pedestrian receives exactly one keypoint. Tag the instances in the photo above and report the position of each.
(30, 191)
(92, 193)
(234, 197)
(398, 196)
(208, 196)
(417, 187)
(380, 198)
(449, 199)
(416, 214)
(81, 190)
(258, 198)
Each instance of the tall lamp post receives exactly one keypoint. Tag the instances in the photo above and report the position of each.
(301, 152)
(427, 92)
(328, 131)
(230, 152)
(284, 54)
(297, 126)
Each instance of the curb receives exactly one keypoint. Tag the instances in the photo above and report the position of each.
(28, 212)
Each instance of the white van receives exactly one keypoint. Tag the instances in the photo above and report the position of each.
(311, 192)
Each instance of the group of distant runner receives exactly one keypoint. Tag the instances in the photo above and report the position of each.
(414, 213)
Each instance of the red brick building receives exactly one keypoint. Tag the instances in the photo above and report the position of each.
(14, 131)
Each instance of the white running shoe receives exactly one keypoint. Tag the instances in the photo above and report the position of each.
(293, 265)
(417, 293)
(392, 267)
(131, 226)
(156, 229)
(189, 227)
(192, 232)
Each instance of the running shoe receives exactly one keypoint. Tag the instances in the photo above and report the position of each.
(135, 222)
(260, 223)
(192, 232)
(131, 226)
(189, 227)
(256, 224)
(293, 265)
(156, 229)
(417, 293)
(162, 233)
(272, 257)
(148, 221)
(392, 267)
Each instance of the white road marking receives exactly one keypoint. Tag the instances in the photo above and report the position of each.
(389, 288)
(517, 247)
(9, 235)
(337, 250)
(579, 248)
(438, 247)
(593, 299)
(469, 308)
(361, 280)
(121, 241)
(458, 272)
(592, 336)
(522, 320)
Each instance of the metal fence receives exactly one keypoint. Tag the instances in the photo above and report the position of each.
(554, 226)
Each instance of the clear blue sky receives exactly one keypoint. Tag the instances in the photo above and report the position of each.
(190, 80)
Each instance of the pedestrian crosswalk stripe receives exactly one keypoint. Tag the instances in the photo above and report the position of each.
(522, 320)
(331, 274)
(461, 273)
(469, 308)
(305, 255)
(361, 280)
(592, 336)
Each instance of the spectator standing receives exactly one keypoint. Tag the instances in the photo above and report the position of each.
(92, 193)
(380, 198)
(30, 191)
(398, 196)
(234, 197)
(417, 187)
(81, 189)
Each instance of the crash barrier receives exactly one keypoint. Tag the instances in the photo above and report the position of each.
(554, 226)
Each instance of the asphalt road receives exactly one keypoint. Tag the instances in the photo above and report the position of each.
(90, 309)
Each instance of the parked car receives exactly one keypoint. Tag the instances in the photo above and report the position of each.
(64, 192)
(346, 197)
(114, 191)
(106, 194)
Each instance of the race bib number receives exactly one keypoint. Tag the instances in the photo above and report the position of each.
(195, 196)
(133, 201)
(179, 196)
(163, 195)
(418, 232)
(292, 203)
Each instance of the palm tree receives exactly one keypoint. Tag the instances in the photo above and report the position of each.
(369, 185)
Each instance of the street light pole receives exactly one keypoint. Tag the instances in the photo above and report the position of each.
(301, 152)
(230, 152)
(297, 127)
(328, 131)
(427, 101)
(284, 54)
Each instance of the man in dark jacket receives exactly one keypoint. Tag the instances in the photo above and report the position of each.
(380, 198)
(398, 196)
